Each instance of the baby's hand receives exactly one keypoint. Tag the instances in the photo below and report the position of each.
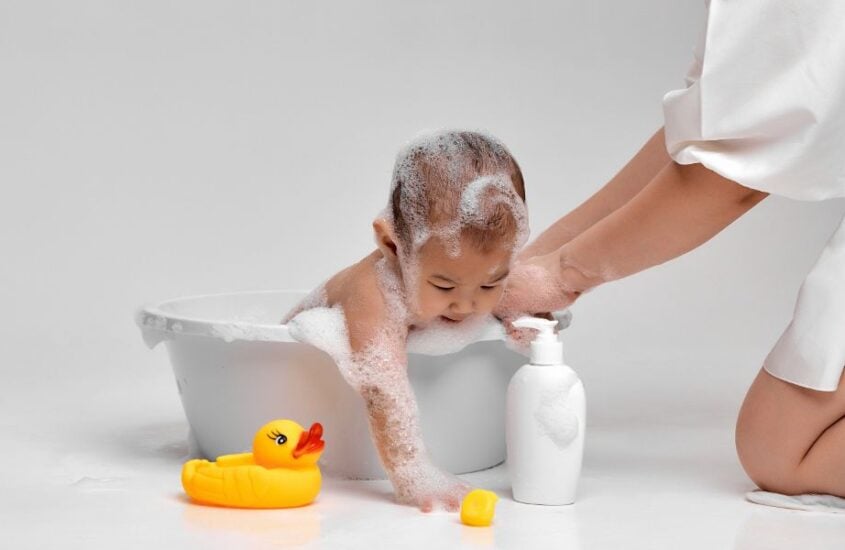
(424, 485)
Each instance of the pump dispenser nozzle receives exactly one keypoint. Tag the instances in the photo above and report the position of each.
(546, 348)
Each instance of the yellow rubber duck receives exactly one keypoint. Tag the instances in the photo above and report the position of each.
(280, 472)
(478, 508)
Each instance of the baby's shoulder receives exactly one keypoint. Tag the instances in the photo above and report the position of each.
(361, 296)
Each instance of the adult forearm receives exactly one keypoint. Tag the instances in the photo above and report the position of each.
(635, 175)
(683, 207)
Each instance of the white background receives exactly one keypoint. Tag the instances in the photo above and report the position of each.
(155, 149)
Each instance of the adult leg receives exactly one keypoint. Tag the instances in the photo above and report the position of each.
(791, 439)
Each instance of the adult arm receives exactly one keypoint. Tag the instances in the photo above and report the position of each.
(629, 181)
(682, 207)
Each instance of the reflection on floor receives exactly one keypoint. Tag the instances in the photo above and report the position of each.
(100, 482)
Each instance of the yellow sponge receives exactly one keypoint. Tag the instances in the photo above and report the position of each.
(478, 508)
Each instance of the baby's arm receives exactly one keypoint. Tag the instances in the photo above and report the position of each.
(394, 423)
(375, 364)
(379, 372)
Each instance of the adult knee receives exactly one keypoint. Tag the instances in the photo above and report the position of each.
(766, 464)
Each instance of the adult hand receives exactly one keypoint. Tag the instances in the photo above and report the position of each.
(535, 287)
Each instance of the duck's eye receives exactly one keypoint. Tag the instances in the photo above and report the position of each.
(279, 438)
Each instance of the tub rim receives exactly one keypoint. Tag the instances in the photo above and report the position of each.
(157, 324)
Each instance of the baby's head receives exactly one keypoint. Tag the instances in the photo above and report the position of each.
(455, 219)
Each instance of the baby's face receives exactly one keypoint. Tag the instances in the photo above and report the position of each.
(454, 288)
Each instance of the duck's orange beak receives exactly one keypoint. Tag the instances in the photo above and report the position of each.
(310, 442)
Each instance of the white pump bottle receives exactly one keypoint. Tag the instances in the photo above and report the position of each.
(546, 412)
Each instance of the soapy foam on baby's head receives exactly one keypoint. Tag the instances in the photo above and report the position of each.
(452, 185)
(491, 209)
(488, 214)
(439, 187)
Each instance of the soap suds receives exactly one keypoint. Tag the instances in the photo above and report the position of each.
(317, 297)
(240, 330)
(325, 329)
(480, 197)
(554, 416)
(378, 372)
(443, 183)
(442, 337)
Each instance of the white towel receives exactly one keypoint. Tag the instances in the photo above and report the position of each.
(809, 502)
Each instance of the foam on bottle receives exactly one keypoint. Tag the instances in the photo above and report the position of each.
(554, 416)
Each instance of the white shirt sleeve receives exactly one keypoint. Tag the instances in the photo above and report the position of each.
(764, 104)
(811, 351)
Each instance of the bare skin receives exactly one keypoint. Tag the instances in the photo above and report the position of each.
(447, 289)
(651, 158)
(790, 439)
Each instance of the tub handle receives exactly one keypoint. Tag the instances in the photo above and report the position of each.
(153, 327)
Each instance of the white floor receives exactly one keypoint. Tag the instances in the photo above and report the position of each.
(103, 472)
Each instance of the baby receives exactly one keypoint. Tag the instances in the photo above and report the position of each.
(446, 241)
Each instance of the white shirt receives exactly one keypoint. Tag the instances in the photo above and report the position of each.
(764, 106)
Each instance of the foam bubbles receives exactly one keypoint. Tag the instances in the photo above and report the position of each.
(442, 337)
(325, 329)
(445, 181)
(399, 297)
(378, 371)
(554, 416)
(315, 298)
(436, 486)
(498, 189)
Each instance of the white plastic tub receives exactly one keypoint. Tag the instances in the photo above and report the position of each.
(236, 368)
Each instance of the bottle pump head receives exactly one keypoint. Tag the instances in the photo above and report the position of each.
(546, 348)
